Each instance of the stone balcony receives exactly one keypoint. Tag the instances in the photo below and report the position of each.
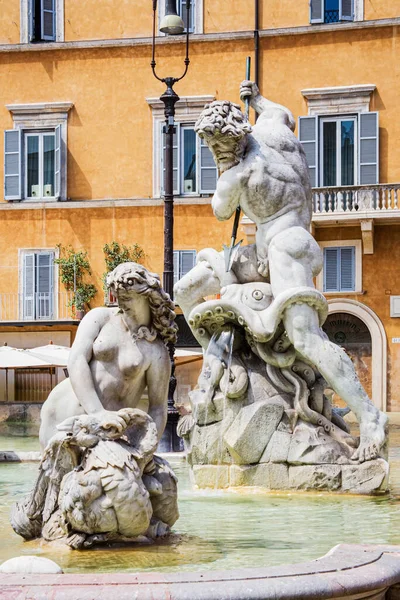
(47, 307)
(353, 205)
(337, 205)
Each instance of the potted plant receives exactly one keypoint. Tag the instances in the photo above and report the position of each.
(74, 269)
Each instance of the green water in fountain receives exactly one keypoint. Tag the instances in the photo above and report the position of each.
(221, 529)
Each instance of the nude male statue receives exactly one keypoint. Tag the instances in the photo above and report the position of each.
(264, 171)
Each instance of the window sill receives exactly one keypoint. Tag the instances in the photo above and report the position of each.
(355, 293)
(37, 199)
(333, 22)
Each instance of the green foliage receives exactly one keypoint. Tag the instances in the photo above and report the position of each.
(74, 269)
(115, 254)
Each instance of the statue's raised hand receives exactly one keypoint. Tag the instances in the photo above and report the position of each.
(248, 89)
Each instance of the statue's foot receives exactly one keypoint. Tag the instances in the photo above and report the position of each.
(372, 436)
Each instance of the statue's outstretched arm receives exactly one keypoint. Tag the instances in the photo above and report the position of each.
(265, 107)
(81, 353)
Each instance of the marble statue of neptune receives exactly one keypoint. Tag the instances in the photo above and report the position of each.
(263, 170)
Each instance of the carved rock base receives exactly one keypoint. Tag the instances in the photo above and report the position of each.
(367, 478)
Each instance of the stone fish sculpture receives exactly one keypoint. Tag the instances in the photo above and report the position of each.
(95, 487)
(260, 414)
(99, 480)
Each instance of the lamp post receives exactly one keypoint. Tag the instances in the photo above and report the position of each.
(171, 24)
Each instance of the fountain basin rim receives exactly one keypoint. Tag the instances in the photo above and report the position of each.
(346, 571)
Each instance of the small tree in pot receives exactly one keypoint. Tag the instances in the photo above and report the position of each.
(74, 269)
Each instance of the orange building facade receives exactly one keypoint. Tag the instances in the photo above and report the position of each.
(82, 156)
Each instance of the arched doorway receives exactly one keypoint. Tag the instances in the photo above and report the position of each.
(359, 330)
(352, 334)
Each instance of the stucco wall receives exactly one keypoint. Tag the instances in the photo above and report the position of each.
(9, 21)
(105, 19)
(381, 9)
(118, 19)
(89, 229)
(110, 125)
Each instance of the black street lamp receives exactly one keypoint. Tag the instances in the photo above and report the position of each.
(171, 24)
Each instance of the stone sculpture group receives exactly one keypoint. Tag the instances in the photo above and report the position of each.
(260, 415)
(99, 480)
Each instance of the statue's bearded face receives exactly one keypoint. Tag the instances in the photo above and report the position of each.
(227, 150)
(224, 128)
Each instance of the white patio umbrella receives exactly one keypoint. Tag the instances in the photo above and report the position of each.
(56, 355)
(184, 356)
(14, 358)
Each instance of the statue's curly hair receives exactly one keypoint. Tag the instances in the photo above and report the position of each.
(222, 117)
(161, 305)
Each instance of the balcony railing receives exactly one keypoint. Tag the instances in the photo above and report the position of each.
(373, 200)
(42, 307)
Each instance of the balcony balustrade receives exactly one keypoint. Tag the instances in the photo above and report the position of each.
(43, 307)
(356, 202)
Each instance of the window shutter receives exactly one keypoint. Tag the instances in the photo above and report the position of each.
(317, 10)
(176, 151)
(183, 14)
(176, 266)
(308, 138)
(347, 269)
(368, 148)
(58, 160)
(29, 286)
(208, 170)
(188, 260)
(44, 285)
(346, 10)
(12, 164)
(30, 20)
(48, 19)
(331, 269)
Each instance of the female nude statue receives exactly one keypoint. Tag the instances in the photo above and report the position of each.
(117, 353)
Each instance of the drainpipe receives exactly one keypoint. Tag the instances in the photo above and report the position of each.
(256, 40)
(256, 43)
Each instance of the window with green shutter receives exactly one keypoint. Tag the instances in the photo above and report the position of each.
(182, 11)
(42, 20)
(341, 150)
(38, 285)
(331, 11)
(194, 170)
(184, 261)
(339, 269)
(33, 163)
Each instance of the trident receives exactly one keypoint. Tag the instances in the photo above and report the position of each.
(230, 251)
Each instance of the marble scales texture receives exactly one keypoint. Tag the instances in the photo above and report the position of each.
(261, 414)
(99, 480)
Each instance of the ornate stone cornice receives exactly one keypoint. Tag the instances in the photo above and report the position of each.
(39, 107)
(339, 99)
